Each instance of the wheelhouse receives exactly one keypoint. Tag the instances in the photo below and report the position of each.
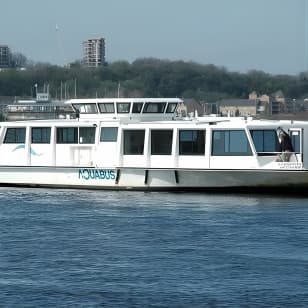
(123, 107)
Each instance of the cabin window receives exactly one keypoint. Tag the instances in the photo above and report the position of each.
(296, 141)
(171, 107)
(161, 142)
(85, 108)
(137, 107)
(265, 141)
(134, 142)
(109, 134)
(230, 143)
(86, 135)
(67, 135)
(106, 107)
(154, 108)
(40, 134)
(123, 107)
(70, 135)
(191, 142)
(15, 135)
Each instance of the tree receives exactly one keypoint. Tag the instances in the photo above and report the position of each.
(18, 60)
(147, 77)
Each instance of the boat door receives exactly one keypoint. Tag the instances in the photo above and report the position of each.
(108, 147)
(296, 138)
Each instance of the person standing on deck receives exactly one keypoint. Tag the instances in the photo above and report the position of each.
(285, 146)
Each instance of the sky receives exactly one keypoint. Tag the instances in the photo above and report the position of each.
(240, 35)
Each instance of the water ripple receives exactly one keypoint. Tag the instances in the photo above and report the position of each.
(79, 248)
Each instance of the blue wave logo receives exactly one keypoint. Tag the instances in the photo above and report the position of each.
(22, 146)
(19, 147)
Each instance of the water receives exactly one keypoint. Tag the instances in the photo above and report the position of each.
(70, 248)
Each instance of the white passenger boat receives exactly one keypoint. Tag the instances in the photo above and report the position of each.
(144, 144)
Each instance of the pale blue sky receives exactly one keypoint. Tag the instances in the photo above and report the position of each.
(268, 35)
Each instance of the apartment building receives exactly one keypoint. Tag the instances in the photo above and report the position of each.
(4, 56)
(94, 52)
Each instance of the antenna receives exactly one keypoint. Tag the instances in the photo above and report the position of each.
(59, 45)
(119, 87)
(75, 87)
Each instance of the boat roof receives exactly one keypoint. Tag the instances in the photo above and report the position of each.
(118, 99)
(142, 108)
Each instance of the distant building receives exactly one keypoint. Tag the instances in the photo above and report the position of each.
(261, 105)
(4, 56)
(269, 105)
(278, 96)
(238, 107)
(193, 106)
(94, 52)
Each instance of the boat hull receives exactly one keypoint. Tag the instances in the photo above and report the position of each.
(156, 179)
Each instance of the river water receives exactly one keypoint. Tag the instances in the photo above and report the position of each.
(71, 248)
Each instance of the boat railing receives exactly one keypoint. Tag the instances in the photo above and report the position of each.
(282, 156)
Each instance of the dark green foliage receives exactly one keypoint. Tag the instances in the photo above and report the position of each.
(148, 78)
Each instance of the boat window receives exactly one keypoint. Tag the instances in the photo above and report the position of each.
(85, 108)
(230, 143)
(123, 107)
(70, 135)
(265, 140)
(171, 107)
(296, 141)
(106, 107)
(87, 135)
(192, 142)
(109, 134)
(134, 142)
(15, 135)
(40, 134)
(161, 142)
(137, 107)
(154, 108)
(67, 134)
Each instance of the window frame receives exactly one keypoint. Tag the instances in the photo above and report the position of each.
(120, 105)
(171, 107)
(66, 133)
(17, 137)
(264, 152)
(128, 144)
(45, 135)
(161, 106)
(158, 142)
(226, 143)
(72, 135)
(82, 108)
(194, 144)
(114, 134)
(90, 138)
(104, 105)
(137, 107)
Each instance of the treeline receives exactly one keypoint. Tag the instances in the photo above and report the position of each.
(147, 78)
